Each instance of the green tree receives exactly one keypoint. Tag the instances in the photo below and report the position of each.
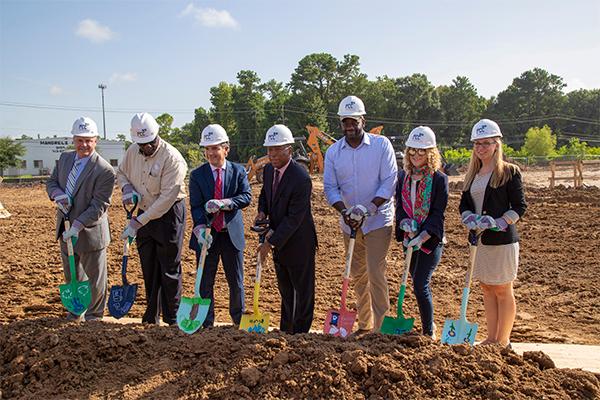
(415, 101)
(539, 142)
(221, 112)
(248, 104)
(533, 96)
(461, 107)
(10, 151)
(164, 122)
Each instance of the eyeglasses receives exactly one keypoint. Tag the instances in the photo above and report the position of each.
(484, 144)
(420, 152)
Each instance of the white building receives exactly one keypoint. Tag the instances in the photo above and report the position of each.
(41, 155)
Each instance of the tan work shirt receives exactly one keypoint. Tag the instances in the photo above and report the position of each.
(159, 179)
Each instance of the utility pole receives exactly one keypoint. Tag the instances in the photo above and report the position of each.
(102, 86)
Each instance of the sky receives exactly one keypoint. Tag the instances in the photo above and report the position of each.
(164, 55)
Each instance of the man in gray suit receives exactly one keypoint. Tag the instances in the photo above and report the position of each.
(81, 186)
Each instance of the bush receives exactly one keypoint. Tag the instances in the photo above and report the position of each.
(457, 156)
(539, 142)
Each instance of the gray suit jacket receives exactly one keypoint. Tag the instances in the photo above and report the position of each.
(91, 198)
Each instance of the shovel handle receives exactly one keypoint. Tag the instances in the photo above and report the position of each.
(402, 292)
(346, 276)
(130, 211)
(70, 252)
(467, 289)
(202, 259)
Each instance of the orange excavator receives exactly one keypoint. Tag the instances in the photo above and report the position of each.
(315, 157)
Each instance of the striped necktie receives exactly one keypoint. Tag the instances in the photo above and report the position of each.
(219, 222)
(72, 179)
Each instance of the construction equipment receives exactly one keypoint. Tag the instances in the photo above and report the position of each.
(192, 311)
(400, 325)
(122, 297)
(76, 296)
(315, 157)
(257, 322)
(461, 331)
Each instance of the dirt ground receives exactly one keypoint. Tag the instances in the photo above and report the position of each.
(557, 292)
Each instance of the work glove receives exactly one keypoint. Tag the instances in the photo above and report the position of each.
(131, 229)
(470, 221)
(215, 205)
(203, 238)
(62, 201)
(73, 231)
(130, 196)
(496, 225)
(418, 241)
(409, 225)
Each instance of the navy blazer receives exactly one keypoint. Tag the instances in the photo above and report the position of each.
(496, 202)
(236, 188)
(434, 223)
(289, 211)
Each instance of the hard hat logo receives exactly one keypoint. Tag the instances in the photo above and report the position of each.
(486, 128)
(418, 136)
(273, 136)
(278, 135)
(481, 129)
(208, 135)
(351, 105)
(422, 137)
(84, 126)
(213, 135)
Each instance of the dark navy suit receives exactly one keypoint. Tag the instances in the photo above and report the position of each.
(228, 245)
(295, 241)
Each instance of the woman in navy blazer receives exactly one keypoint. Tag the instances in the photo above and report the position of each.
(492, 202)
(421, 199)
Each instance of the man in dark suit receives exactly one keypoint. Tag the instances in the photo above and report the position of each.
(81, 185)
(221, 189)
(285, 201)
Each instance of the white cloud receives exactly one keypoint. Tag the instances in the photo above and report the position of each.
(56, 90)
(575, 84)
(210, 17)
(117, 77)
(92, 30)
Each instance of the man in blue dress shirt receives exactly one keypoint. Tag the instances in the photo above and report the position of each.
(360, 181)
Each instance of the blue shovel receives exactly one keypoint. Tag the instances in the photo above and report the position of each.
(459, 331)
(121, 298)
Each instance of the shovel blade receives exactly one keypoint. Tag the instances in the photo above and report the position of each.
(192, 313)
(339, 323)
(76, 296)
(458, 331)
(121, 299)
(397, 326)
(258, 323)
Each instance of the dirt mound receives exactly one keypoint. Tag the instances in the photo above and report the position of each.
(49, 358)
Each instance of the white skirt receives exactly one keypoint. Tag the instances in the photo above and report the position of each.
(496, 265)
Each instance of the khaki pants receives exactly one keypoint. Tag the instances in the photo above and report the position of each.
(368, 276)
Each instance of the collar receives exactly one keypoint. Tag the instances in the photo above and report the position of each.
(366, 139)
(213, 168)
(282, 169)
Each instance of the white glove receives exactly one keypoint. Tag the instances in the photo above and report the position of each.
(130, 196)
(417, 242)
(202, 237)
(409, 225)
(215, 205)
(470, 220)
(357, 212)
(73, 231)
(131, 229)
(486, 222)
(63, 203)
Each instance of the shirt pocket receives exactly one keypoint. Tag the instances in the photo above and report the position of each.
(153, 184)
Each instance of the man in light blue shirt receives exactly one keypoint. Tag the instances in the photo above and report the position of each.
(360, 180)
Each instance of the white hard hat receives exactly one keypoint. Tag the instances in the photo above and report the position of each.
(486, 128)
(278, 135)
(213, 134)
(422, 137)
(84, 126)
(351, 107)
(144, 128)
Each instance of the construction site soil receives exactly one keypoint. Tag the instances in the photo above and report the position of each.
(557, 291)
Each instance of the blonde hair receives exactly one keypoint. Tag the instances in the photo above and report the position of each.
(502, 169)
(434, 160)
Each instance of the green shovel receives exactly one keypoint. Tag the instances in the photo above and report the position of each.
(400, 325)
(76, 296)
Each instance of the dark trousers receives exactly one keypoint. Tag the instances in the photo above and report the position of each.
(296, 281)
(421, 269)
(233, 266)
(159, 244)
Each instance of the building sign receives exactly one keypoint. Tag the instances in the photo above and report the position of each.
(59, 145)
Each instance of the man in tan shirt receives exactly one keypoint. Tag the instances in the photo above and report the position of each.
(154, 172)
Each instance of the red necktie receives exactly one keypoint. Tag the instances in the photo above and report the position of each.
(219, 222)
(275, 184)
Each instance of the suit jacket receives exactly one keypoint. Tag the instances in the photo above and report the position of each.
(91, 198)
(289, 211)
(496, 202)
(236, 188)
(434, 223)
